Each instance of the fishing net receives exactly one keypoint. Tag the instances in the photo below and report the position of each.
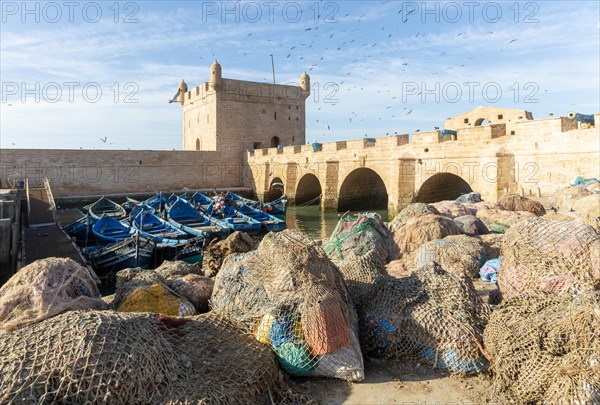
(431, 316)
(514, 202)
(411, 211)
(493, 244)
(360, 272)
(215, 253)
(560, 216)
(564, 199)
(293, 298)
(471, 225)
(126, 358)
(474, 207)
(459, 254)
(472, 197)
(46, 288)
(553, 256)
(140, 290)
(420, 230)
(451, 208)
(178, 268)
(588, 209)
(359, 234)
(545, 349)
(196, 289)
(499, 220)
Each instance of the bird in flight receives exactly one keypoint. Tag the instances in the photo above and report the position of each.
(174, 100)
(514, 40)
(103, 140)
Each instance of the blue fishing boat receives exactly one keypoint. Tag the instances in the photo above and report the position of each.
(267, 221)
(135, 251)
(158, 228)
(106, 207)
(184, 216)
(200, 200)
(81, 229)
(276, 207)
(234, 219)
(109, 230)
(158, 202)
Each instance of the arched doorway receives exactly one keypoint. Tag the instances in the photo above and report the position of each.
(197, 143)
(308, 190)
(481, 122)
(362, 189)
(275, 142)
(275, 189)
(442, 186)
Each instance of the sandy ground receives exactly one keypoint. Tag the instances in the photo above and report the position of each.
(389, 382)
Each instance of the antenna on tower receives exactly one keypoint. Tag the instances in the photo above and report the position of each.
(273, 68)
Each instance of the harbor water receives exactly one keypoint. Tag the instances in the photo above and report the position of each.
(316, 223)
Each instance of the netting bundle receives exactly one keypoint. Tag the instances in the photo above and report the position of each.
(360, 273)
(471, 198)
(559, 257)
(515, 202)
(411, 211)
(588, 209)
(215, 253)
(431, 316)
(451, 208)
(359, 234)
(499, 220)
(564, 199)
(459, 254)
(420, 230)
(471, 225)
(46, 288)
(545, 349)
(140, 290)
(120, 358)
(293, 298)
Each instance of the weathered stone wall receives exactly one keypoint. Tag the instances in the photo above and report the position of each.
(96, 172)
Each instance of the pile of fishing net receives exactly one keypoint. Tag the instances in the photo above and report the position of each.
(360, 273)
(411, 211)
(359, 234)
(499, 220)
(215, 253)
(474, 207)
(515, 202)
(470, 198)
(293, 298)
(460, 254)
(493, 244)
(140, 290)
(471, 225)
(419, 230)
(46, 288)
(178, 268)
(451, 208)
(558, 257)
(564, 198)
(588, 209)
(545, 349)
(432, 316)
(128, 358)
(560, 216)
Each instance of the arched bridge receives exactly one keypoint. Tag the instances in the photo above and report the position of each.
(534, 158)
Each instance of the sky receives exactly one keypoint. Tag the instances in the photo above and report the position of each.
(98, 75)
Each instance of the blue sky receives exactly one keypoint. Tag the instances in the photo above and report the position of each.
(376, 67)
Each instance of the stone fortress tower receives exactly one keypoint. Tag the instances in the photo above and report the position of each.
(232, 116)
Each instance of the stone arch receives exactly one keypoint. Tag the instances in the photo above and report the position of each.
(362, 189)
(197, 143)
(442, 186)
(276, 189)
(275, 142)
(480, 122)
(308, 190)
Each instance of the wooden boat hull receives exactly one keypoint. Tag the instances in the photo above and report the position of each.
(104, 206)
(108, 260)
